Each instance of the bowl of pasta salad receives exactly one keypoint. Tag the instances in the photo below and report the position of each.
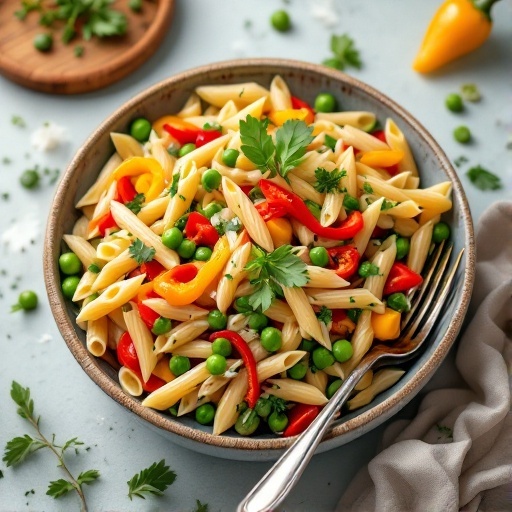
(225, 248)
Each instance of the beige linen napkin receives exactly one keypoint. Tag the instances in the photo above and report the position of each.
(457, 452)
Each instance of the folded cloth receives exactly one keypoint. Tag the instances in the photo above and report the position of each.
(457, 452)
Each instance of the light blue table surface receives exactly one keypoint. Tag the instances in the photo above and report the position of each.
(32, 351)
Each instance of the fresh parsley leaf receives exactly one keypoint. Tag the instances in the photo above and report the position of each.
(257, 144)
(21, 397)
(141, 253)
(19, 448)
(152, 480)
(329, 182)
(58, 488)
(330, 142)
(325, 315)
(135, 205)
(270, 271)
(173, 190)
(387, 204)
(484, 179)
(278, 404)
(104, 22)
(344, 53)
(87, 477)
(367, 188)
(201, 507)
(72, 443)
(292, 139)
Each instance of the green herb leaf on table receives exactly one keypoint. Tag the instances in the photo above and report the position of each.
(152, 480)
(19, 448)
(344, 53)
(270, 271)
(58, 488)
(484, 179)
(329, 182)
(201, 507)
(87, 477)
(141, 253)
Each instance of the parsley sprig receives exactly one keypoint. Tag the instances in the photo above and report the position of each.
(285, 154)
(325, 315)
(270, 271)
(344, 53)
(329, 182)
(484, 179)
(152, 480)
(135, 205)
(140, 252)
(20, 448)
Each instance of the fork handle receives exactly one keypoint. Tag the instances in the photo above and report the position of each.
(275, 485)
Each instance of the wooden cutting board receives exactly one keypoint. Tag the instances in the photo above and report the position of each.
(103, 62)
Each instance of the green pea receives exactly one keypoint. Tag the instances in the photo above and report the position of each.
(454, 102)
(255, 194)
(30, 179)
(280, 20)
(354, 314)
(319, 256)
(277, 422)
(27, 300)
(211, 180)
(308, 345)
(258, 321)
(441, 232)
(69, 286)
(172, 238)
(342, 350)
(216, 364)
(186, 149)
(398, 302)
(203, 254)
(69, 263)
(297, 371)
(222, 346)
(161, 326)
(271, 339)
(217, 320)
(333, 387)
(205, 414)
(367, 269)
(186, 249)
(247, 422)
(140, 129)
(181, 222)
(242, 305)
(322, 358)
(350, 202)
(43, 42)
(230, 156)
(211, 209)
(314, 208)
(179, 365)
(325, 102)
(263, 407)
(462, 134)
(402, 247)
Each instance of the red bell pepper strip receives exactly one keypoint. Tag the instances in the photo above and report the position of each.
(152, 269)
(270, 211)
(125, 190)
(200, 230)
(253, 384)
(205, 136)
(182, 135)
(299, 419)
(401, 278)
(296, 208)
(298, 103)
(344, 260)
(148, 316)
(106, 222)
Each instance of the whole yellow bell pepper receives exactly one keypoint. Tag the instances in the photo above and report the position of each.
(148, 174)
(171, 287)
(457, 28)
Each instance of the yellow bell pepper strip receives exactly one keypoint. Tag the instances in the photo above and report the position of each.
(148, 175)
(457, 28)
(386, 326)
(382, 158)
(184, 284)
(279, 117)
(188, 130)
(280, 231)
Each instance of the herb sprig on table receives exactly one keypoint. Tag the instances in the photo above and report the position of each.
(20, 448)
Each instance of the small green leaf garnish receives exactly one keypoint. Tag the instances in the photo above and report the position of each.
(141, 253)
(135, 205)
(367, 188)
(344, 53)
(329, 182)
(324, 315)
(173, 189)
(387, 204)
(484, 179)
(470, 92)
(152, 480)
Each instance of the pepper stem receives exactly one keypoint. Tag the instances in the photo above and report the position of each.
(484, 6)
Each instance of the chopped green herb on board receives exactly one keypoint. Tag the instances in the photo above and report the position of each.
(153, 480)
(344, 53)
(484, 179)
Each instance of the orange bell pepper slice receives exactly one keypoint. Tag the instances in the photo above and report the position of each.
(279, 117)
(382, 158)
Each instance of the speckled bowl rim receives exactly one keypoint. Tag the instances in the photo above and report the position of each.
(343, 432)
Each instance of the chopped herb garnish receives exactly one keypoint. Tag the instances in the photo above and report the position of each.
(270, 271)
(93, 268)
(460, 160)
(325, 315)
(182, 197)
(387, 204)
(329, 182)
(344, 53)
(444, 431)
(201, 507)
(152, 480)
(212, 126)
(78, 50)
(135, 205)
(5, 196)
(173, 190)
(352, 300)
(229, 277)
(367, 188)
(18, 121)
(470, 92)
(141, 253)
(484, 179)
(6, 160)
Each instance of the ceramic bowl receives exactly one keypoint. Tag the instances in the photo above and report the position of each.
(305, 80)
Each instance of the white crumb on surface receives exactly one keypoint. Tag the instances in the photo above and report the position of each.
(325, 12)
(47, 137)
(21, 233)
(45, 338)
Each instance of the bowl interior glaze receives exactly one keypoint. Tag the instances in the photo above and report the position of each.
(305, 81)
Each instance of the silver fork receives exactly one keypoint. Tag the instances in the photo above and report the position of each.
(427, 302)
